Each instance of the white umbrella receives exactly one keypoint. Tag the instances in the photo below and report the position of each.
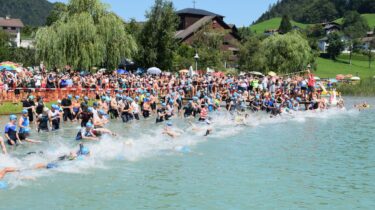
(256, 73)
(154, 70)
(191, 71)
(355, 78)
(317, 78)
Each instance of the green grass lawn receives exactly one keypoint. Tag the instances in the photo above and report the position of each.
(10, 108)
(273, 23)
(369, 17)
(329, 68)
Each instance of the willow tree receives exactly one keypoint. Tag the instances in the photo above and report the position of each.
(85, 35)
(286, 53)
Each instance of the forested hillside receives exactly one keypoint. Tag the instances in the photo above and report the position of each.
(315, 11)
(31, 12)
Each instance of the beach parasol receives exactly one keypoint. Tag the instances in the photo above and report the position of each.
(272, 74)
(355, 78)
(184, 71)
(121, 71)
(154, 71)
(317, 78)
(9, 66)
(256, 73)
(348, 76)
(340, 77)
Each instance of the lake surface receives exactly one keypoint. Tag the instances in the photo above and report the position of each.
(309, 160)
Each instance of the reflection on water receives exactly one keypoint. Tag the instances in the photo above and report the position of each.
(313, 160)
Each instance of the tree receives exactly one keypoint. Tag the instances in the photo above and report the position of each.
(369, 53)
(355, 27)
(335, 45)
(250, 57)
(85, 35)
(286, 53)
(4, 45)
(55, 14)
(156, 40)
(285, 25)
(207, 42)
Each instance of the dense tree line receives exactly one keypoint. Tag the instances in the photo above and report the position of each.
(315, 11)
(31, 12)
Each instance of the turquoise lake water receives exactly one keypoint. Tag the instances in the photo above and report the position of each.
(309, 160)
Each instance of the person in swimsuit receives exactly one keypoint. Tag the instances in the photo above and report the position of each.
(24, 129)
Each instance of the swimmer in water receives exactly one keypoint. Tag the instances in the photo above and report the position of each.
(91, 133)
(362, 106)
(4, 171)
(82, 152)
(168, 130)
(24, 129)
(196, 129)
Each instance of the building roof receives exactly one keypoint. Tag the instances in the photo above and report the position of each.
(194, 11)
(183, 34)
(11, 23)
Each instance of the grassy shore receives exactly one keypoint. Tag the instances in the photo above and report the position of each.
(14, 108)
(327, 68)
(365, 88)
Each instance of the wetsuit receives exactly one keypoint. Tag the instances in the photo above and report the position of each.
(67, 113)
(43, 122)
(27, 104)
(55, 117)
(86, 117)
(11, 130)
(23, 133)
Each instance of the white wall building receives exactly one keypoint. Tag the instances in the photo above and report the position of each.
(13, 27)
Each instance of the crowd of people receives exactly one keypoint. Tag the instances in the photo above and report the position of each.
(129, 97)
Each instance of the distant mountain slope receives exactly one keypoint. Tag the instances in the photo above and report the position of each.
(31, 12)
(274, 23)
(314, 11)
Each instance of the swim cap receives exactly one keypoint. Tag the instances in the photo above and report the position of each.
(118, 96)
(12, 117)
(163, 104)
(169, 124)
(24, 111)
(103, 98)
(45, 109)
(89, 125)
(54, 106)
(171, 101)
(147, 99)
(70, 96)
(31, 97)
(86, 98)
(148, 94)
(84, 151)
(51, 165)
(101, 112)
(90, 109)
(59, 101)
(95, 104)
(77, 97)
(137, 98)
(3, 185)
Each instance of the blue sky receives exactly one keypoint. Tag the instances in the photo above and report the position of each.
(239, 12)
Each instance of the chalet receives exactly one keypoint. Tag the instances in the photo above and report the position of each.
(13, 27)
(323, 44)
(192, 20)
(331, 27)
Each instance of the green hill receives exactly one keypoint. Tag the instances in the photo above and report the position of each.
(314, 11)
(273, 23)
(31, 12)
(369, 17)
